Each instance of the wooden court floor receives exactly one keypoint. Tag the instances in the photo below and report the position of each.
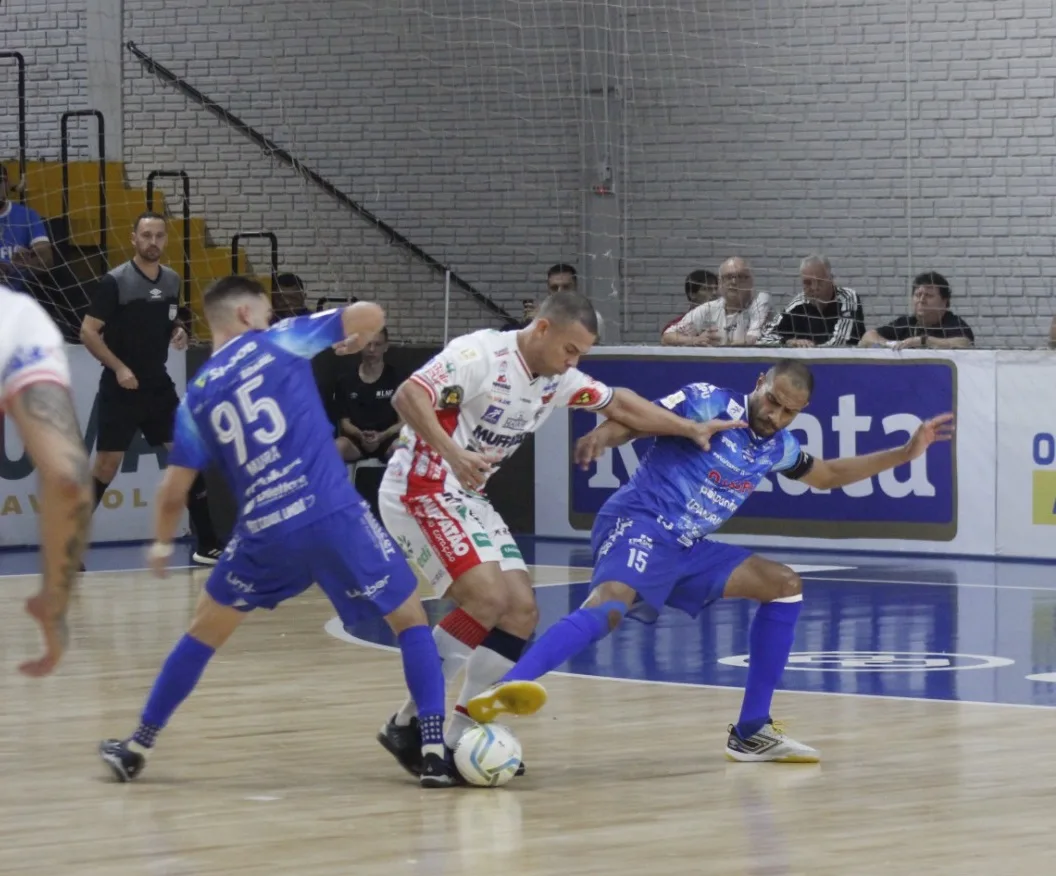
(271, 768)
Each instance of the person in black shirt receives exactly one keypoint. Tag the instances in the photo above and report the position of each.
(289, 299)
(131, 321)
(369, 424)
(822, 315)
(932, 323)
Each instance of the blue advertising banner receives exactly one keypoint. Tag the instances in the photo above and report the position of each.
(858, 406)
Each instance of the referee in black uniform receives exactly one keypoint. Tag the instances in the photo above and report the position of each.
(129, 326)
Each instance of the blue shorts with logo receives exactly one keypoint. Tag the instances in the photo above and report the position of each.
(642, 554)
(347, 553)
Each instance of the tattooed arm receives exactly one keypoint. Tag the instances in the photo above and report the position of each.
(44, 414)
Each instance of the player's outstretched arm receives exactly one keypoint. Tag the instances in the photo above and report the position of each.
(44, 415)
(641, 416)
(593, 445)
(361, 323)
(831, 474)
(168, 509)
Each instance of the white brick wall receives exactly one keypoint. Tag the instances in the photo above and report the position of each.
(774, 129)
(51, 36)
(463, 138)
(765, 129)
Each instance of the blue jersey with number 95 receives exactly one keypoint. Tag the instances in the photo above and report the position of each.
(253, 409)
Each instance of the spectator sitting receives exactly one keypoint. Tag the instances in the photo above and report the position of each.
(932, 324)
(561, 277)
(736, 318)
(701, 287)
(289, 297)
(369, 423)
(822, 315)
(24, 244)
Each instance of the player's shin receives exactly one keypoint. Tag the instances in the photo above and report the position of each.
(565, 639)
(456, 636)
(770, 643)
(178, 677)
(425, 681)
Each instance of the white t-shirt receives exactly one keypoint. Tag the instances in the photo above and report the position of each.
(744, 327)
(31, 346)
(488, 402)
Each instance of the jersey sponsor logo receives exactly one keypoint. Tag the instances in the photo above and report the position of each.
(23, 358)
(468, 354)
(451, 396)
(370, 591)
(674, 400)
(716, 478)
(436, 372)
(587, 397)
(155, 294)
(735, 410)
(498, 354)
(294, 509)
(173, 311)
(547, 398)
(491, 439)
(236, 582)
(492, 415)
(516, 423)
(220, 370)
(501, 383)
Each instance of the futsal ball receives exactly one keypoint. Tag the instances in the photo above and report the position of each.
(488, 755)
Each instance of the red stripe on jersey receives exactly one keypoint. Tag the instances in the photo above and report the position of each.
(427, 473)
(443, 530)
(426, 386)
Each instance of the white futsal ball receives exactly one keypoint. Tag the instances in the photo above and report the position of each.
(488, 755)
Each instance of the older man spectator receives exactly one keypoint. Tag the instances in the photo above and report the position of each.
(932, 323)
(701, 287)
(736, 318)
(822, 315)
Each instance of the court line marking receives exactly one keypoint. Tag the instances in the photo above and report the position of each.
(336, 630)
(840, 579)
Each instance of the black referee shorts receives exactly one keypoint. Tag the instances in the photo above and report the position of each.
(123, 412)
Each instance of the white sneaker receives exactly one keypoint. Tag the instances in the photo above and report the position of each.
(769, 743)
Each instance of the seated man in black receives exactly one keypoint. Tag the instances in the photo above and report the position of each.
(368, 424)
(932, 323)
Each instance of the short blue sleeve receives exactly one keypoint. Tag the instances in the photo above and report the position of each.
(791, 453)
(188, 447)
(37, 231)
(696, 401)
(306, 336)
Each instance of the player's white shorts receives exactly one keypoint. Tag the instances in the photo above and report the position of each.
(444, 535)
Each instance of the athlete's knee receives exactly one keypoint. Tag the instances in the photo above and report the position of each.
(522, 613)
(610, 601)
(786, 584)
(481, 594)
(411, 613)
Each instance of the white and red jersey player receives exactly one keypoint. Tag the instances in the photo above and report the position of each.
(488, 401)
(31, 346)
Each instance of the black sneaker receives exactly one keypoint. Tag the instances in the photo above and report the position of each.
(123, 763)
(521, 770)
(404, 743)
(439, 772)
(204, 556)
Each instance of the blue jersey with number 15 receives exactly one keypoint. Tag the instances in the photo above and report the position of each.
(253, 409)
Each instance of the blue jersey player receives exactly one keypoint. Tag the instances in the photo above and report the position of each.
(652, 548)
(253, 409)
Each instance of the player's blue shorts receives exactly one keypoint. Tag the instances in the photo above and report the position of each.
(348, 554)
(640, 553)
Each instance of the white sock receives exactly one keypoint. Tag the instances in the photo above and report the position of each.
(483, 669)
(453, 656)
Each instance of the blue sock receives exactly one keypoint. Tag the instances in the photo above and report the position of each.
(179, 674)
(565, 639)
(425, 680)
(769, 644)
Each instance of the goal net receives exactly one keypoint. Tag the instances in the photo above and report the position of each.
(636, 141)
